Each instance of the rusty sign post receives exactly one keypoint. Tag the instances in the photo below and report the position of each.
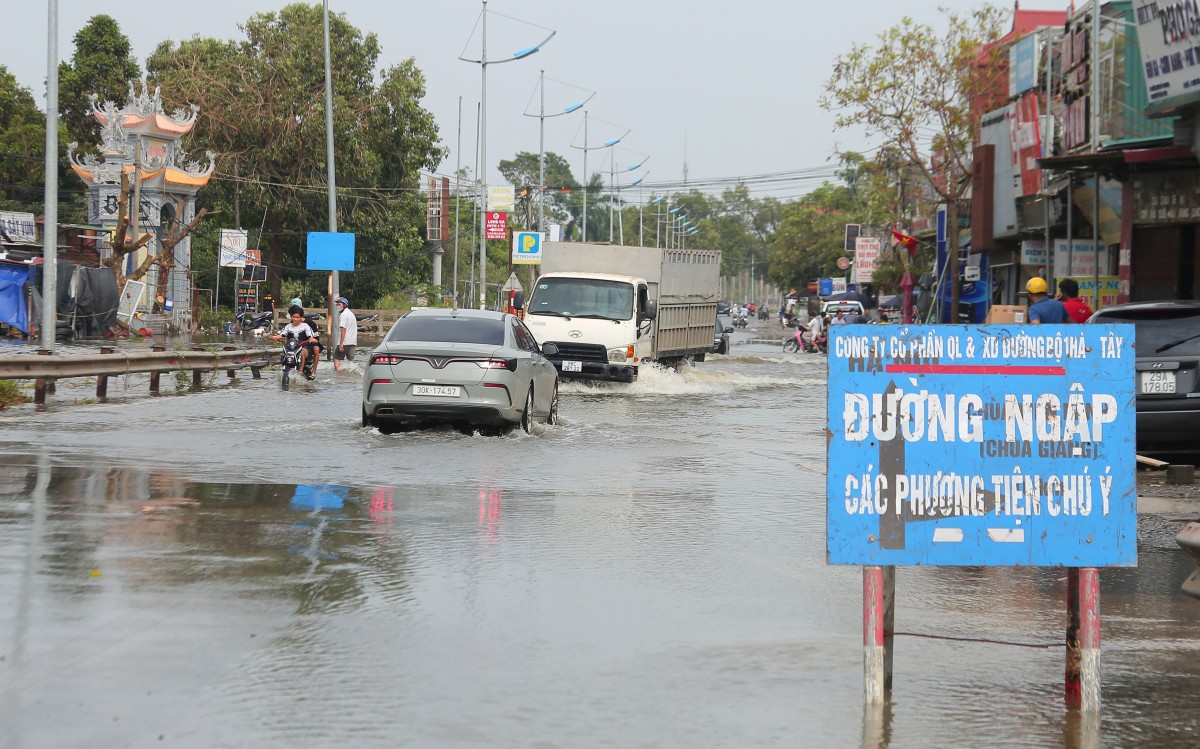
(996, 446)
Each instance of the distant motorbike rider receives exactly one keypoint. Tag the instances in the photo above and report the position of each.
(299, 329)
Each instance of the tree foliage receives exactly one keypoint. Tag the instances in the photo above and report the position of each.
(22, 146)
(920, 92)
(262, 109)
(102, 65)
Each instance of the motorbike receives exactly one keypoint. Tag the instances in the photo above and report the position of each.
(290, 359)
(739, 321)
(258, 323)
(816, 345)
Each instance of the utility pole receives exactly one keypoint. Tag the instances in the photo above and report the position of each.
(50, 199)
(330, 171)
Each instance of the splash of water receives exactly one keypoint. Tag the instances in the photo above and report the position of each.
(654, 380)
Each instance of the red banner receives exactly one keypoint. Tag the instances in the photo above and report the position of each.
(495, 225)
(1027, 144)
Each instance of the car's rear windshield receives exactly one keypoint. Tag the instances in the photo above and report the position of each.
(1156, 329)
(448, 329)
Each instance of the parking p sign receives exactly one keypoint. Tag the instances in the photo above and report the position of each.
(527, 247)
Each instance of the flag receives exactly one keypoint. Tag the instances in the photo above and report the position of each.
(910, 243)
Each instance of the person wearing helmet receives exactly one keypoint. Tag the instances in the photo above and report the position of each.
(1042, 308)
(348, 333)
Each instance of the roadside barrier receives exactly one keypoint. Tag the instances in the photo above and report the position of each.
(46, 368)
(1189, 539)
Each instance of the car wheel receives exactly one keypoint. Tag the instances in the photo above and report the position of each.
(527, 414)
(366, 420)
(552, 417)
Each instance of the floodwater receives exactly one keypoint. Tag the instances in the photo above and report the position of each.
(247, 567)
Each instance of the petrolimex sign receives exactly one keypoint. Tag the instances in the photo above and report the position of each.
(527, 247)
(995, 445)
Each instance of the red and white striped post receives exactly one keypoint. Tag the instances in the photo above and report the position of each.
(1083, 638)
(879, 615)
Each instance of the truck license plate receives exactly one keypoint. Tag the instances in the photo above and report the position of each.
(445, 391)
(572, 366)
(1155, 383)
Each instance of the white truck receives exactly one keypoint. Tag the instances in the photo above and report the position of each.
(609, 308)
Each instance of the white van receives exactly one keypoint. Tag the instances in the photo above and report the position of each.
(845, 307)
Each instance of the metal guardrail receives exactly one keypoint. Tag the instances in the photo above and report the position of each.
(47, 368)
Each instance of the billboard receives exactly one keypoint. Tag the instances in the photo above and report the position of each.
(1166, 35)
(527, 247)
(866, 258)
(234, 248)
(495, 225)
(501, 198)
(1023, 66)
(994, 445)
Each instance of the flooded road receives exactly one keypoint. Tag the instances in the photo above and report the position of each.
(248, 567)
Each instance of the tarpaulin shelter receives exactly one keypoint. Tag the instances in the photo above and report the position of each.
(13, 309)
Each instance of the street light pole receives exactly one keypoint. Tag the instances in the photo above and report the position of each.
(330, 171)
(483, 166)
(585, 148)
(541, 115)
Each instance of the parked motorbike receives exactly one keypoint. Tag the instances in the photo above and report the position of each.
(258, 323)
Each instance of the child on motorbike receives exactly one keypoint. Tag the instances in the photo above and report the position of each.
(299, 329)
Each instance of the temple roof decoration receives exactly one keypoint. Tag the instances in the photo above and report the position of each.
(141, 124)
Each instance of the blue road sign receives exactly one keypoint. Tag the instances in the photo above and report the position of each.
(330, 251)
(994, 445)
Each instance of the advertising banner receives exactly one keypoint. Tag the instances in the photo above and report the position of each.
(994, 445)
(1110, 289)
(18, 227)
(1079, 258)
(1166, 34)
(866, 258)
(1027, 144)
(233, 248)
(495, 225)
(501, 198)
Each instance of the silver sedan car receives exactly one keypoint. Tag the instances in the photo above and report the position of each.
(470, 368)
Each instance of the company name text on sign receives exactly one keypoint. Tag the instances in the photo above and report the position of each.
(998, 445)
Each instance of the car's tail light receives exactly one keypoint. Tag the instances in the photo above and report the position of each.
(509, 364)
(381, 382)
(386, 359)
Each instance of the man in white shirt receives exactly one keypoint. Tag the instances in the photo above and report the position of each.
(347, 333)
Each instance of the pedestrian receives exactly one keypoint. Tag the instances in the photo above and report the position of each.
(1077, 309)
(1042, 308)
(838, 319)
(348, 335)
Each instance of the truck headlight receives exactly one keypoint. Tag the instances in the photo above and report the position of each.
(620, 354)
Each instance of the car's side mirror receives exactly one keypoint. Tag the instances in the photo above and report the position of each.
(518, 301)
(651, 310)
(549, 349)
(728, 328)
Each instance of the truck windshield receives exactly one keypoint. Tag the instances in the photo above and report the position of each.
(582, 297)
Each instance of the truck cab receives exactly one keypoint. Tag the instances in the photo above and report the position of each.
(601, 323)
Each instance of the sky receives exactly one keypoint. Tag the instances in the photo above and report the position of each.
(728, 91)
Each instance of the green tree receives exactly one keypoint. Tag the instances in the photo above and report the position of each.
(262, 109)
(811, 237)
(920, 91)
(522, 172)
(102, 65)
(22, 147)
